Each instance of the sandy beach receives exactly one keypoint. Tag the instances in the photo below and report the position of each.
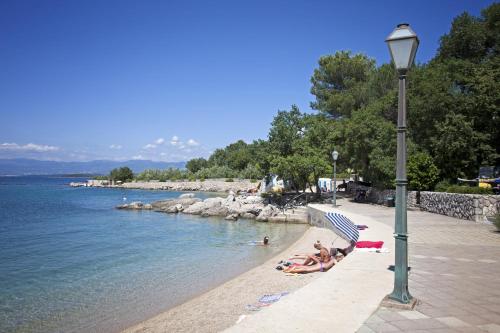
(222, 306)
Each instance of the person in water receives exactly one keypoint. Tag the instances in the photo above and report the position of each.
(265, 241)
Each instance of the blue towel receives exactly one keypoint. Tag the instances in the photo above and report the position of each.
(267, 299)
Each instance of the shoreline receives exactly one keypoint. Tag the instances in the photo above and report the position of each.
(222, 306)
(209, 185)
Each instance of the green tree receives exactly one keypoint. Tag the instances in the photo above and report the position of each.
(466, 39)
(340, 83)
(286, 130)
(370, 144)
(422, 172)
(121, 174)
(459, 149)
(196, 164)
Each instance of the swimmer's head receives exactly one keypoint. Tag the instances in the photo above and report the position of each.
(266, 240)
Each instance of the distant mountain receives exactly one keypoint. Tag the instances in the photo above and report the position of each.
(22, 166)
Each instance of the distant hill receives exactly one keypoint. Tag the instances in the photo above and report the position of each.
(22, 166)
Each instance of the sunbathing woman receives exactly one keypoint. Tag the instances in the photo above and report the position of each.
(318, 267)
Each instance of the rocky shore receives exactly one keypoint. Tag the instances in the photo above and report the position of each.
(231, 208)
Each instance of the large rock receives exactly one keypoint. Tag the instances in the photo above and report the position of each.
(196, 209)
(247, 216)
(175, 209)
(164, 205)
(136, 205)
(213, 202)
(215, 211)
(267, 212)
(252, 199)
(232, 217)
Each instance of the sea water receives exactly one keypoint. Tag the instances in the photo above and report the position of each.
(71, 262)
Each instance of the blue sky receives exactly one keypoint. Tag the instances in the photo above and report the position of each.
(172, 80)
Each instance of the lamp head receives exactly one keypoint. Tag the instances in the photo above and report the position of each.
(335, 155)
(403, 43)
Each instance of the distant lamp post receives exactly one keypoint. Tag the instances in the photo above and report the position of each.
(403, 43)
(335, 155)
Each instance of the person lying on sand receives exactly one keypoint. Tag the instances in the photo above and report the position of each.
(316, 261)
(318, 267)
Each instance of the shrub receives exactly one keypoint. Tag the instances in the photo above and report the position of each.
(422, 172)
(216, 172)
(496, 221)
(162, 175)
(202, 179)
(229, 180)
(442, 186)
(251, 172)
(468, 189)
(253, 180)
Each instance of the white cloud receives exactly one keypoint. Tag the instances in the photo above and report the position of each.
(113, 146)
(138, 157)
(27, 147)
(175, 140)
(191, 142)
(160, 141)
(149, 146)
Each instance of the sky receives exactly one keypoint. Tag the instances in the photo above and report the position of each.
(174, 80)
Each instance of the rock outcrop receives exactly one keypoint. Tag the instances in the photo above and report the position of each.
(231, 208)
(169, 204)
(136, 205)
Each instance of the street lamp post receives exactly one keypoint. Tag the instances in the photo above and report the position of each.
(335, 155)
(403, 43)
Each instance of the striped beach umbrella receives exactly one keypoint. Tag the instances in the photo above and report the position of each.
(342, 226)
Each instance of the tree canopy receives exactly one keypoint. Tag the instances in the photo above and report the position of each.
(453, 117)
(122, 174)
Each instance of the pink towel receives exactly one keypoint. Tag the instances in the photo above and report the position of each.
(369, 244)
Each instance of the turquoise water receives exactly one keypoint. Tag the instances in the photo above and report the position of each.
(70, 262)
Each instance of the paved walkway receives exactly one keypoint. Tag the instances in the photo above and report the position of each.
(455, 274)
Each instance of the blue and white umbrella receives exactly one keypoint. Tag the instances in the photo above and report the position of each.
(343, 227)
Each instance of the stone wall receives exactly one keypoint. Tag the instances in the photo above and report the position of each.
(472, 207)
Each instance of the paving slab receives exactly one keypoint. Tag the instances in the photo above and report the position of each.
(455, 269)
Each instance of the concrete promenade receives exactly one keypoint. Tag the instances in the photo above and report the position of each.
(339, 300)
(455, 274)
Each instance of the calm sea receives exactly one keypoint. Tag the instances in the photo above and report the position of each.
(70, 262)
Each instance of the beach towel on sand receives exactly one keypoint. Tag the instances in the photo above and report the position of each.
(268, 299)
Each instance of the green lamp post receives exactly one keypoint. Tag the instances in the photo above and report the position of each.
(403, 44)
(335, 155)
